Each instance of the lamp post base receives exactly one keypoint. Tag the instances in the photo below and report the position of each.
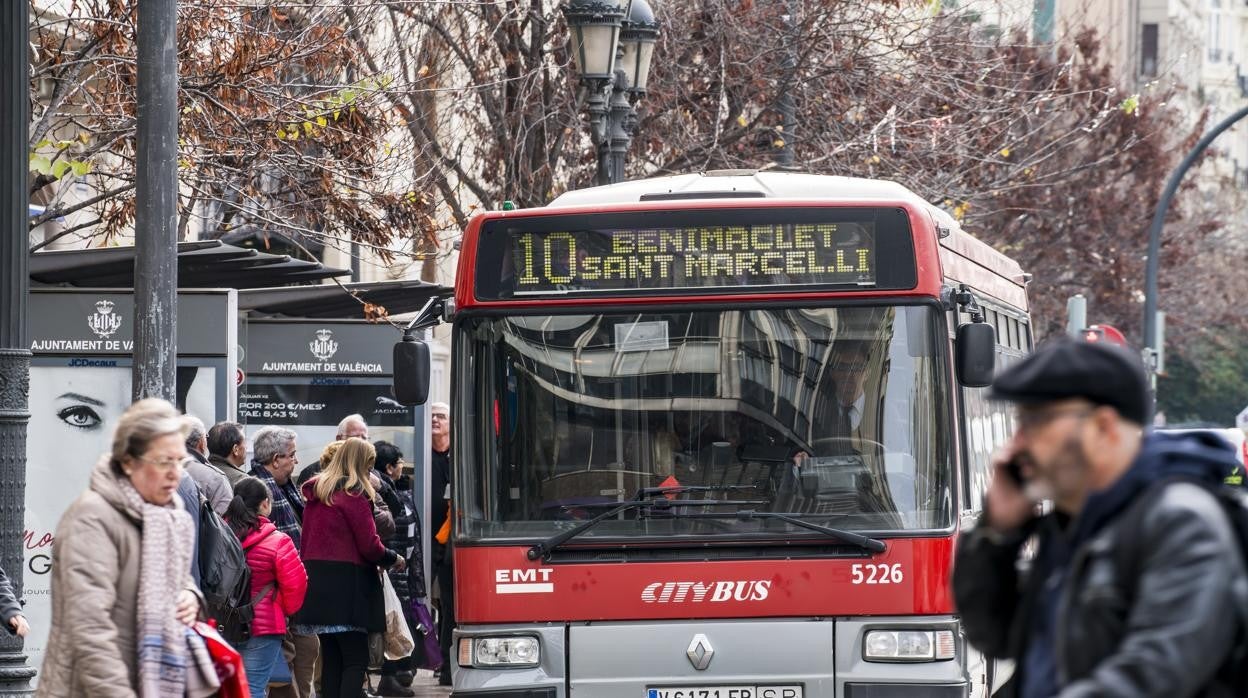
(15, 672)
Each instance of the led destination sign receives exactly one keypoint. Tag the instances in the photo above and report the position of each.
(713, 251)
(767, 254)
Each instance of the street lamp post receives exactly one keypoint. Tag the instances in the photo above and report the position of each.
(612, 46)
(1152, 337)
(156, 202)
(15, 673)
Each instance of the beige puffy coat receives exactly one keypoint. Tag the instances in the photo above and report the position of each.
(92, 645)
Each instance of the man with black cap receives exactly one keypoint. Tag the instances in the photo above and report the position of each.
(1137, 586)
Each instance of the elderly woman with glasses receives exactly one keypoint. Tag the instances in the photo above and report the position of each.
(122, 595)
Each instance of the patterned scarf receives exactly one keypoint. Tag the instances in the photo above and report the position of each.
(164, 564)
(287, 513)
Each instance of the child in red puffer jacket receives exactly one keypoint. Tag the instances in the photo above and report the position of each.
(278, 579)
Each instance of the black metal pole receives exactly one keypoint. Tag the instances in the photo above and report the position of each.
(156, 215)
(1159, 220)
(600, 126)
(787, 108)
(618, 137)
(604, 162)
(15, 674)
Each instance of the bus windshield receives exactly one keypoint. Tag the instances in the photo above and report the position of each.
(837, 415)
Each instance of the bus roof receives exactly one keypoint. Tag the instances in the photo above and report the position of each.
(720, 184)
(966, 258)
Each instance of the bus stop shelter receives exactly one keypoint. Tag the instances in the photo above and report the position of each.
(262, 340)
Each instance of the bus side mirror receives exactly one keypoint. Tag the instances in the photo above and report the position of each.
(411, 372)
(975, 352)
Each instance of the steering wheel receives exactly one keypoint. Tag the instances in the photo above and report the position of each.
(848, 445)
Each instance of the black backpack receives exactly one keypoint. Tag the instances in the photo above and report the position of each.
(235, 623)
(1233, 673)
(234, 620)
(224, 575)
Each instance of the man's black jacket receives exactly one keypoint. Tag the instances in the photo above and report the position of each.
(1160, 627)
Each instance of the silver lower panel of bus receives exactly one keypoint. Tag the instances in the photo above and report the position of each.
(742, 658)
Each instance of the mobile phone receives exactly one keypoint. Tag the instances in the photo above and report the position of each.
(1014, 470)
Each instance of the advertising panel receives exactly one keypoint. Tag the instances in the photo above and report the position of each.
(312, 408)
(80, 381)
(307, 375)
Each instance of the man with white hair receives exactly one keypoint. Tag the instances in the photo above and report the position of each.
(351, 425)
(441, 475)
(212, 483)
(275, 456)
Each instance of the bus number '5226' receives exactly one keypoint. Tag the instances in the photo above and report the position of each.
(882, 573)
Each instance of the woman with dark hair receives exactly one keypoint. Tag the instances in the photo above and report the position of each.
(397, 675)
(278, 579)
(387, 467)
(343, 553)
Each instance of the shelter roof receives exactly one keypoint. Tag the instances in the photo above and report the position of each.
(202, 264)
(330, 301)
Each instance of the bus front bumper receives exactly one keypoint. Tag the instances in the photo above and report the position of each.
(820, 657)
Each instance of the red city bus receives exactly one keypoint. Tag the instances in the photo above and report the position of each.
(715, 435)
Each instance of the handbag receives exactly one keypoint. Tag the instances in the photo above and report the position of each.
(226, 660)
(432, 658)
(398, 638)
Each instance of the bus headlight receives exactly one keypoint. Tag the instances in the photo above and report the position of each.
(494, 652)
(908, 645)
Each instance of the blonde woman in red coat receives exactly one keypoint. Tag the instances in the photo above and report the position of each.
(278, 579)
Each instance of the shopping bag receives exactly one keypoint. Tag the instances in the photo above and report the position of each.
(398, 640)
(429, 636)
(227, 661)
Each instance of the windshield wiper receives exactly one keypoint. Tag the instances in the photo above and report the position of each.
(873, 544)
(547, 546)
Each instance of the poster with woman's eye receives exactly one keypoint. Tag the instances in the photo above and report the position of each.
(74, 407)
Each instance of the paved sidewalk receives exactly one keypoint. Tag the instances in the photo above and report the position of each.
(425, 685)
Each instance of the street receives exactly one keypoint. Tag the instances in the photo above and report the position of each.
(425, 685)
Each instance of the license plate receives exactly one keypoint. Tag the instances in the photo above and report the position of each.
(726, 692)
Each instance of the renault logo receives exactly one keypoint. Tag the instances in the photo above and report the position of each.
(700, 652)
